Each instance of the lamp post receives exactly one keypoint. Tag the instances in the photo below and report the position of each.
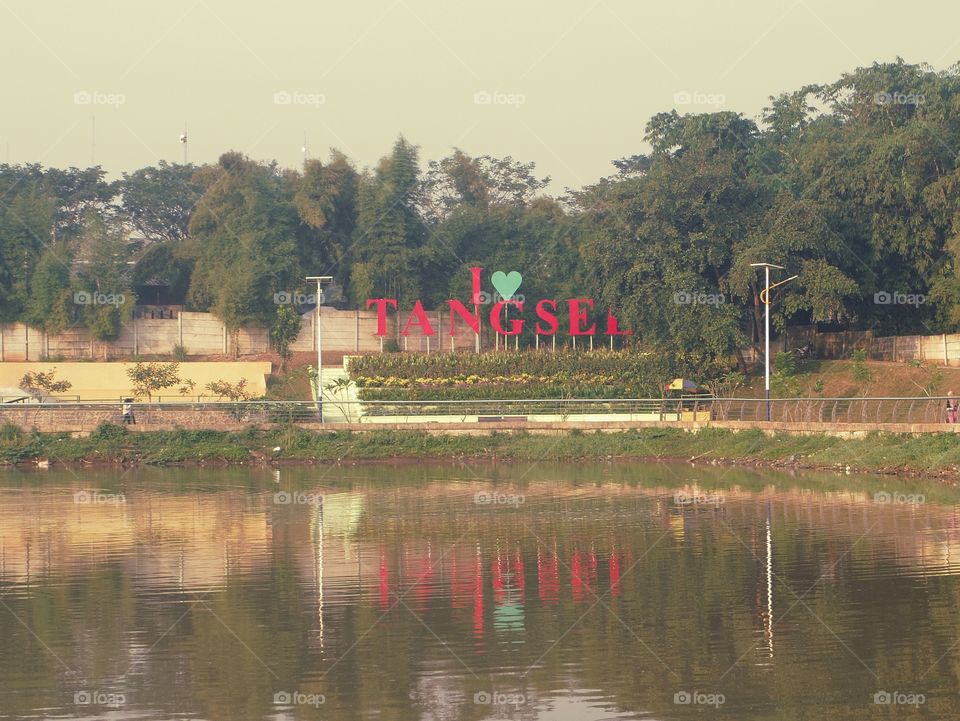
(765, 297)
(320, 280)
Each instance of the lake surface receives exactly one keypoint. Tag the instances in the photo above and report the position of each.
(523, 591)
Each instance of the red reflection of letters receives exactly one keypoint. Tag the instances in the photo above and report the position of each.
(384, 581)
(478, 597)
(548, 576)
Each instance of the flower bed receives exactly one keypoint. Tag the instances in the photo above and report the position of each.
(524, 375)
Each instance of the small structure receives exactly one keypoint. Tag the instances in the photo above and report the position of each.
(688, 399)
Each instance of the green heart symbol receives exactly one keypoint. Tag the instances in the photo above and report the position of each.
(506, 283)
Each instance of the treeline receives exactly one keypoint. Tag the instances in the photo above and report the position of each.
(852, 186)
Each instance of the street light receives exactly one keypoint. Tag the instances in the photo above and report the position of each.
(765, 297)
(320, 280)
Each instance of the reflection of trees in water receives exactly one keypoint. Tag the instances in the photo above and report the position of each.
(497, 588)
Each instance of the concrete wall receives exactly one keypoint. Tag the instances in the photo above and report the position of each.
(943, 349)
(204, 334)
(81, 421)
(106, 381)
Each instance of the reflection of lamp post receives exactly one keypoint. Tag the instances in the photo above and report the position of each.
(320, 280)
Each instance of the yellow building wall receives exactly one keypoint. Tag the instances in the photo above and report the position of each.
(108, 381)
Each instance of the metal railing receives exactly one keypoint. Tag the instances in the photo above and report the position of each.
(885, 410)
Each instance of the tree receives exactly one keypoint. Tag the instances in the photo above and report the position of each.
(285, 329)
(231, 391)
(390, 233)
(148, 378)
(158, 201)
(51, 303)
(42, 384)
(326, 200)
(102, 285)
(243, 240)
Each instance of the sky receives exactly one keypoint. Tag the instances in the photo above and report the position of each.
(568, 85)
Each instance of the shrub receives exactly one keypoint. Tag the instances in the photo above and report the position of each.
(107, 431)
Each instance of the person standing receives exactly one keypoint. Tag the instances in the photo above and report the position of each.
(127, 409)
(952, 407)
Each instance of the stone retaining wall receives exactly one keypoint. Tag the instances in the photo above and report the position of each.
(81, 421)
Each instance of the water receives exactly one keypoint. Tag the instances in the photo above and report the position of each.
(526, 591)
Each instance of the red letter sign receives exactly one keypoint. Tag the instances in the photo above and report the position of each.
(578, 316)
(382, 304)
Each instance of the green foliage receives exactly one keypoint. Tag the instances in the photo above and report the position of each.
(147, 378)
(587, 374)
(284, 331)
(180, 352)
(853, 196)
(42, 384)
(785, 363)
(108, 432)
(231, 391)
(858, 366)
(10, 432)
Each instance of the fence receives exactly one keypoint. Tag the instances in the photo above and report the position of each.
(943, 348)
(348, 331)
(824, 412)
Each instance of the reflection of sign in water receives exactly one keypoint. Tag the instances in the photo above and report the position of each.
(508, 587)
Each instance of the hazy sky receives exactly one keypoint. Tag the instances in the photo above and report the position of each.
(569, 85)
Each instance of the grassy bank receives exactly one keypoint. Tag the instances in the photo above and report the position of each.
(932, 454)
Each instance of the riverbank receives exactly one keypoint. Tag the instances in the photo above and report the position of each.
(933, 454)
